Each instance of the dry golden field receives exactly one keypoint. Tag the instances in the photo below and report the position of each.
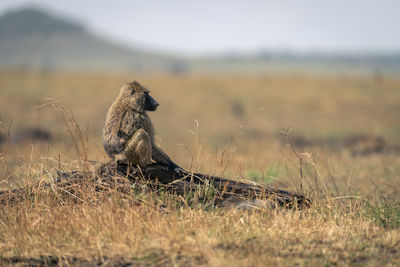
(346, 129)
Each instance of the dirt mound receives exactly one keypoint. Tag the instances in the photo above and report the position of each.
(33, 134)
(123, 177)
(357, 144)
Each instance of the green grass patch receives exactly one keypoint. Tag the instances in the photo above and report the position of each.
(385, 214)
(265, 176)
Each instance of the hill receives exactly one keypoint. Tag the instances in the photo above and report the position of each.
(33, 39)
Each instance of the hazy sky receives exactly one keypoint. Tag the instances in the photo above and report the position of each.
(195, 27)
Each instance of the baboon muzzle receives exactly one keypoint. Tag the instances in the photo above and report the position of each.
(150, 104)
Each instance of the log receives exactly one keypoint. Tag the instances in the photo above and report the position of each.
(227, 189)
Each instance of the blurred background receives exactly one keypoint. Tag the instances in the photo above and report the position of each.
(229, 76)
(185, 36)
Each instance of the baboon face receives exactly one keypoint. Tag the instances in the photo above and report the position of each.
(138, 97)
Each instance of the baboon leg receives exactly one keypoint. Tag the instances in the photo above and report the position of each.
(160, 157)
(138, 149)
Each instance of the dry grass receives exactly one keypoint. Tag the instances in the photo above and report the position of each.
(354, 220)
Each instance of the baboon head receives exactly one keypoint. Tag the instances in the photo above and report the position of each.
(138, 97)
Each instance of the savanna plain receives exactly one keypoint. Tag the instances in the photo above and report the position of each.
(334, 138)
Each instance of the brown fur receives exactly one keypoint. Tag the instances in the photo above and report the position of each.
(128, 133)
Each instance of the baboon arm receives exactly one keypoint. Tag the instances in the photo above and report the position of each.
(127, 127)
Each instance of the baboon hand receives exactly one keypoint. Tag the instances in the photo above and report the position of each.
(178, 170)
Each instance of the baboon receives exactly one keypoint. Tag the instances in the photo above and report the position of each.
(128, 134)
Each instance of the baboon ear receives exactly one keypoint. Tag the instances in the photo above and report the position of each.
(133, 90)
